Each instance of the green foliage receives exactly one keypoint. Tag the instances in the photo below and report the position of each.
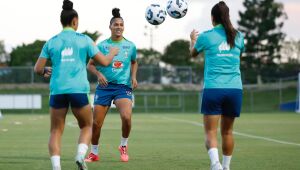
(177, 53)
(26, 55)
(261, 24)
(94, 36)
(148, 57)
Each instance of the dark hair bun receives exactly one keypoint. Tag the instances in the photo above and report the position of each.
(116, 13)
(68, 5)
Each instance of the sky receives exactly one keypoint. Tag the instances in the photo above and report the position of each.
(24, 21)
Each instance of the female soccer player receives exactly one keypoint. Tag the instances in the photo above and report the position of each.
(222, 93)
(68, 52)
(115, 84)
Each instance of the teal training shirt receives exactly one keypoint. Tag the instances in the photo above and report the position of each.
(68, 52)
(222, 64)
(119, 71)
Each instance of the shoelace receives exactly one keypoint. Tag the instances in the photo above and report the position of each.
(123, 150)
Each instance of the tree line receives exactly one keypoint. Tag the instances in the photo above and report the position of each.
(261, 23)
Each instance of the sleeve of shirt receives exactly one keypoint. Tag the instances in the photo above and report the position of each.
(101, 48)
(133, 56)
(200, 43)
(92, 48)
(45, 51)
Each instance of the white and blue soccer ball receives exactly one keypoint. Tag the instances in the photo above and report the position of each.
(177, 8)
(155, 14)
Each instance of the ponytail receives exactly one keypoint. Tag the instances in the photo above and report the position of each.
(220, 13)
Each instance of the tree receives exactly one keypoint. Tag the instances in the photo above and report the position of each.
(177, 53)
(148, 57)
(94, 36)
(26, 55)
(4, 56)
(261, 24)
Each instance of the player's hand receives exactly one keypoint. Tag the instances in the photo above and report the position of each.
(194, 35)
(114, 51)
(134, 83)
(102, 80)
(47, 72)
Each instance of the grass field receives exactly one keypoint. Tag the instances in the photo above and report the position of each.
(158, 142)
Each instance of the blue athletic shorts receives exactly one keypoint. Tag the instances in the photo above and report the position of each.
(105, 95)
(226, 102)
(77, 100)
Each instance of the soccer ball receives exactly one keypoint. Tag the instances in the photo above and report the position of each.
(155, 14)
(177, 8)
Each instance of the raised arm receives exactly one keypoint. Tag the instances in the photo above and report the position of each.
(106, 60)
(193, 52)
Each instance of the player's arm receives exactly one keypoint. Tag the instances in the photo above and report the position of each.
(40, 68)
(134, 68)
(193, 36)
(106, 60)
(100, 77)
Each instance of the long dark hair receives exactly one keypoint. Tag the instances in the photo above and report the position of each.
(116, 14)
(220, 13)
(68, 13)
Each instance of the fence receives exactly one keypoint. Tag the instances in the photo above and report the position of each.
(256, 98)
(146, 75)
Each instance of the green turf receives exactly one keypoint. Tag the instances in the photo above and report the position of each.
(157, 142)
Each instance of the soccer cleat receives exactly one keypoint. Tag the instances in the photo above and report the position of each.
(92, 158)
(123, 153)
(216, 166)
(226, 168)
(80, 163)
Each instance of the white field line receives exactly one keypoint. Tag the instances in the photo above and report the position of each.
(236, 133)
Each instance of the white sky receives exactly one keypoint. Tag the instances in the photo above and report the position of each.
(24, 21)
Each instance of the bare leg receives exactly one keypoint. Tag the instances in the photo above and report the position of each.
(99, 116)
(57, 117)
(227, 136)
(211, 128)
(84, 119)
(125, 108)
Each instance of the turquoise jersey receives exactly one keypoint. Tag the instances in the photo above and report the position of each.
(68, 52)
(119, 71)
(222, 63)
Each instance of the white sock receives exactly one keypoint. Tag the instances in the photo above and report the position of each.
(213, 155)
(55, 161)
(95, 149)
(124, 141)
(226, 161)
(81, 150)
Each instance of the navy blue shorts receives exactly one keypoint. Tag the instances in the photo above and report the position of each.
(105, 95)
(77, 100)
(226, 102)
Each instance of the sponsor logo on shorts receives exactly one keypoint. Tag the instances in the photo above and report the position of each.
(129, 93)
